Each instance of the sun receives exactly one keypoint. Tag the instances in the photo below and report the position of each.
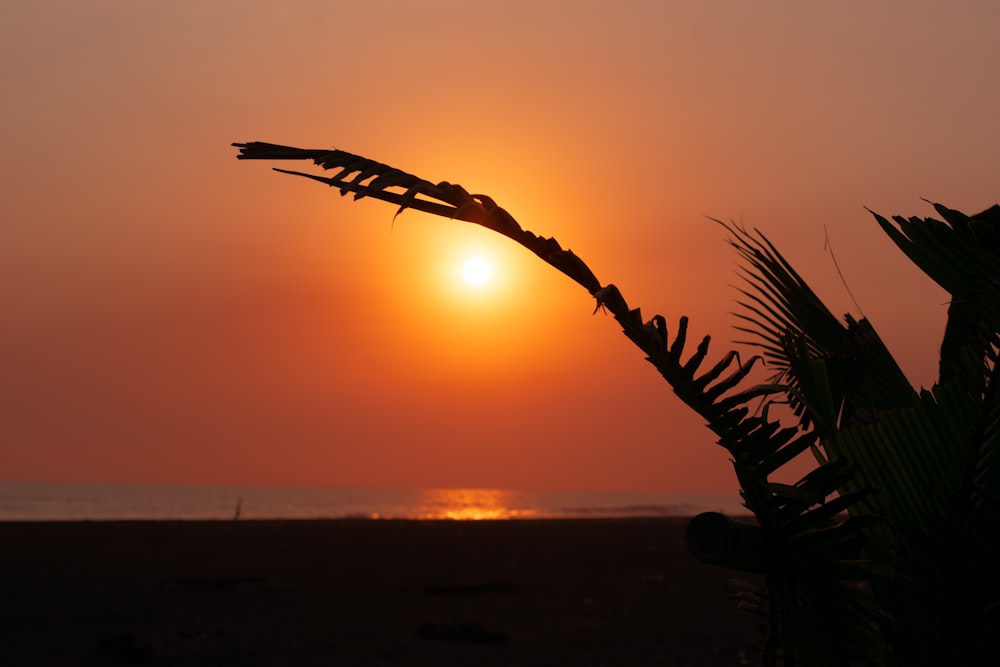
(477, 270)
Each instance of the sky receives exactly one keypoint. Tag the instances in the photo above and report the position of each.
(171, 315)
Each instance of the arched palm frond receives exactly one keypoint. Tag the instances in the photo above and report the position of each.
(819, 609)
(368, 178)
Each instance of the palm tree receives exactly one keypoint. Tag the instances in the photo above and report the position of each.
(886, 552)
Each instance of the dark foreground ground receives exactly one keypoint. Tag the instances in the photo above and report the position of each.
(300, 593)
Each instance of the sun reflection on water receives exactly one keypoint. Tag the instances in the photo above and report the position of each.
(470, 505)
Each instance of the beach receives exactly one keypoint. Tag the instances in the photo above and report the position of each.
(365, 592)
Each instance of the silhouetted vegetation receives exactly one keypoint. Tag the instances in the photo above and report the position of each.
(886, 552)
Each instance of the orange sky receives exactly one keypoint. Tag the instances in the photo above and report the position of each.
(172, 315)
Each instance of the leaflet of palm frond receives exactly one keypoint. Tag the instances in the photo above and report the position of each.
(981, 229)
(827, 511)
(651, 338)
(261, 150)
(815, 491)
(726, 402)
(770, 275)
(363, 174)
(574, 267)
(915, 455)
(691, 366)
(775, 309)
(785, 454)
(828, 478)
(676, 348)
(805, 380)
(985, 222)
(768, 437)
(765, 325)
(741, 433)
(810, 385)
(793, 497)
(726, 415)
(410, 196)
(720, 387)
(963, 259)
(434, 208)
(358, 168)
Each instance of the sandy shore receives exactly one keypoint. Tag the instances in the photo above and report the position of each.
(545, 592)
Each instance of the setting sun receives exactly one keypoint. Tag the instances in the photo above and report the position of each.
(477, 270)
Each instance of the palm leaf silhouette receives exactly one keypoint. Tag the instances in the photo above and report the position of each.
(860, 555)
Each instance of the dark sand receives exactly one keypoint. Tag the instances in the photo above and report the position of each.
(543, 592)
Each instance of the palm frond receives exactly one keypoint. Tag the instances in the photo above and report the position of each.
(962, 255)
(838, 373)
(815, 552)
(380, 181)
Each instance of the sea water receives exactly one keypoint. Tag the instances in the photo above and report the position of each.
(99, 502)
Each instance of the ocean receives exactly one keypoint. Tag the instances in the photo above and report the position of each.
(108, 502)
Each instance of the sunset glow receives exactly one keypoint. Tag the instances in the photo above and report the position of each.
(476, 270)
(173, 315)
(469, 505)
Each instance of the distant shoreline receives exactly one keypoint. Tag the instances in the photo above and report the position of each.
(378, 520)
(54, 502)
